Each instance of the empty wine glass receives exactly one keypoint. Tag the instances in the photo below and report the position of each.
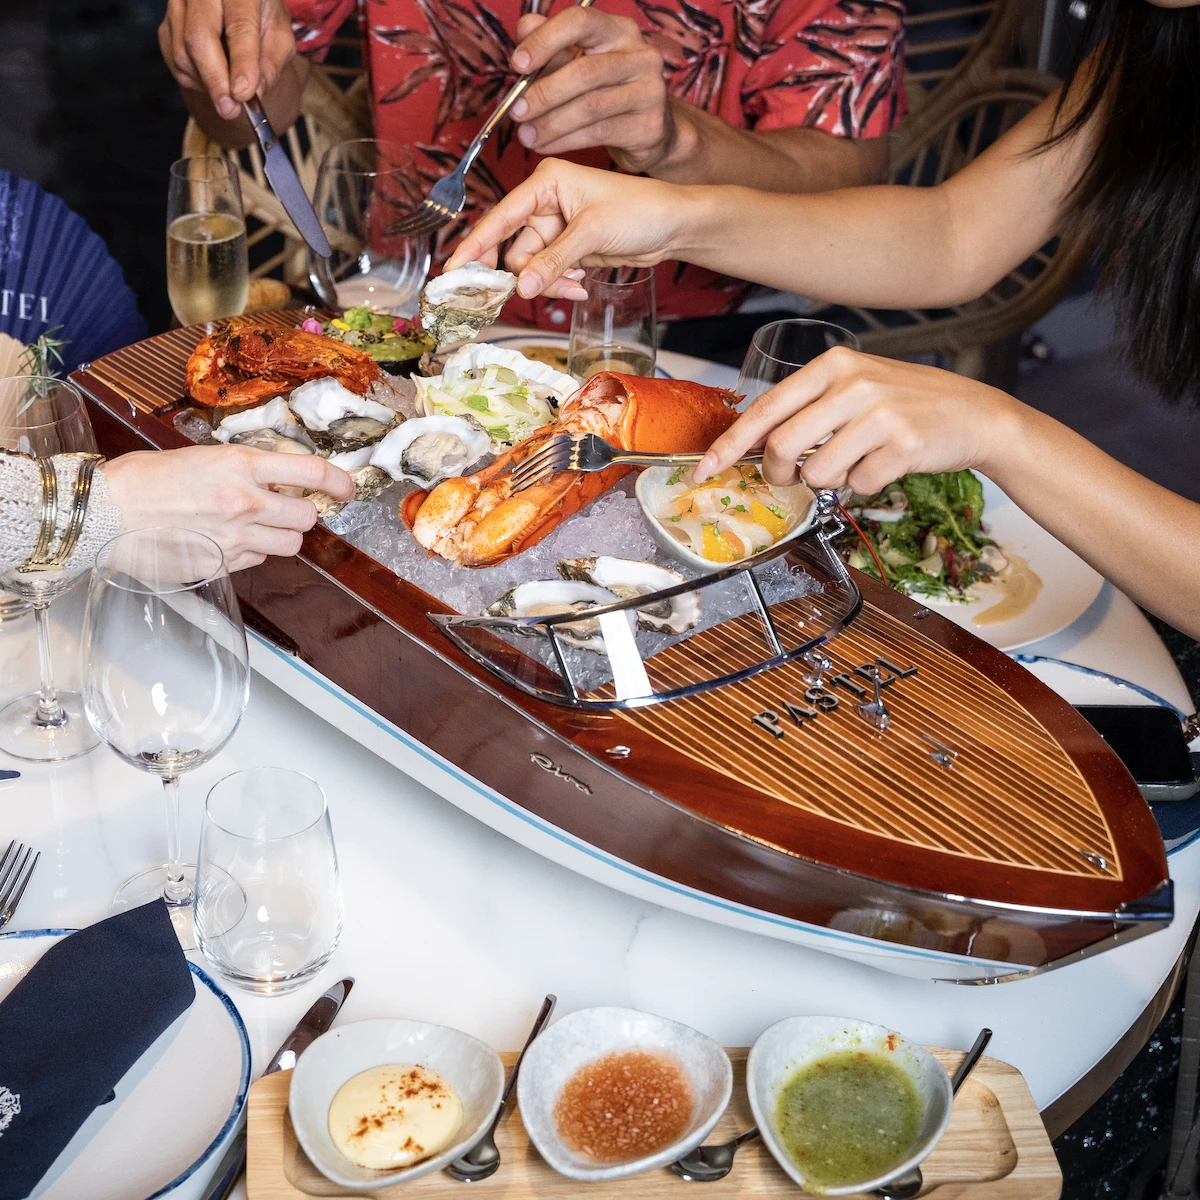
(165, 677)
(781, 348)
(363, 187)
(42, 416)
(614, 328)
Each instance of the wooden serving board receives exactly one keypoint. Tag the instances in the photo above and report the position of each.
(995, 1147)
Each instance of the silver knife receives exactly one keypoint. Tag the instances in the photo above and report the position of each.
(315, 1022)
(284, 181)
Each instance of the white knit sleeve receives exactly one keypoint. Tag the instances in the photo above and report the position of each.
(21, 510)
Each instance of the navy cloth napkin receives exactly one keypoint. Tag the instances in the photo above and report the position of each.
(81, 1017)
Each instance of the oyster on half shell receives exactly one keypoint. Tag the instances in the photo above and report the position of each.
(626, 577)
(430, 448)
(546, 597)
(272, 427)
(458, 304)
(339, 418)
(369, 481)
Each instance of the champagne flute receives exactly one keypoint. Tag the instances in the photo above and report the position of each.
(166, 677)
(363, 187)
(781, 348)
(42, 416)
(614, 329)
(208, 272)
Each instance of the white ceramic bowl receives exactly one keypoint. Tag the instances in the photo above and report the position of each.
(581, 1038)
(798, 503)
(472, 1068)
(792, 1043)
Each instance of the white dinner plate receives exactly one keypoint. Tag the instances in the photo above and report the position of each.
(174, 1109)
(1069, 585)
(542, 337)
(1086, 685)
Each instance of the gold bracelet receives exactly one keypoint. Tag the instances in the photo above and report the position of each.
(79, 504)
(49, 517)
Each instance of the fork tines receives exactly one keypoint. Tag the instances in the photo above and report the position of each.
(560, 453)
(16, 869)
(425, 218)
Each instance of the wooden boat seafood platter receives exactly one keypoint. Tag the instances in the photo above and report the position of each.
(869, 778)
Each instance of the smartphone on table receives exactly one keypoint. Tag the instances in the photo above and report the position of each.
(1149, 740)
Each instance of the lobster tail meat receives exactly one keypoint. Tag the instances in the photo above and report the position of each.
(477, 521)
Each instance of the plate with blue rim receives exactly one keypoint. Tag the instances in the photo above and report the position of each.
(162, 1133)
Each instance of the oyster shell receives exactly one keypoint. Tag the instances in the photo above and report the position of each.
(369, 481)
(430, 448)
(271, 427)
(544, 597)
(458, 304)
(626, 577)
(342, 420)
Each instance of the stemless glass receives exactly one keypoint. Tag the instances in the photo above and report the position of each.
(363, 187)
(165, 677)
(42, 416)
(614, 329)
(781, 348)
(208, 272)
(268, 897)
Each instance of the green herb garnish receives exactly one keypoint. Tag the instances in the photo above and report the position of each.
(778, 511)
(724, 501)
(676, 475)
(477, 402)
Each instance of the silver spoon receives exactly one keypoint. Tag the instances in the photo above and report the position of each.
(707, 1164)
(483, 1159)
(905, 1186)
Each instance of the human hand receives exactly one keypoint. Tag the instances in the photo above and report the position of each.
(570, 215)
(224, 492)
(613, 94)
(258, 34)
(882, 419)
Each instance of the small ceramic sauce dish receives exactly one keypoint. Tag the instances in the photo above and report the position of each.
(786, 1048)
(655, 491)
(582, 1038)
(470, 1067)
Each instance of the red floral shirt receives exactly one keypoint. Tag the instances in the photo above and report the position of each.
(438, 67)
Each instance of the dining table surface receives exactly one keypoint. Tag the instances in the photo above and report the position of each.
(447, 920)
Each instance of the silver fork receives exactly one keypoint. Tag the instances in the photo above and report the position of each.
(590, 452)
(449, 194)
(16, 870)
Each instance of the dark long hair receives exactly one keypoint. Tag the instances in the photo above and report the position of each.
(1138, 200)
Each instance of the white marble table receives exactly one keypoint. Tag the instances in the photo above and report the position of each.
(446, 920)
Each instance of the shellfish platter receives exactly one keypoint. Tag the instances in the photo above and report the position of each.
(995, 1146)
(680, 691)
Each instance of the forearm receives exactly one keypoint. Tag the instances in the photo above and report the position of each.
(281, 104)
(21, 510)
(706, 149)
(889, 247)
(1143, 538)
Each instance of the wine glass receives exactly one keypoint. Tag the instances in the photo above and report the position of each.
(363, 187)
(208, 272)
(781, 348)
(614, 329)
(43, 416)
(165, 678)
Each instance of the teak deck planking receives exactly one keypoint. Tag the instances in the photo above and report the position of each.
(995, 1148)
(1034, 846)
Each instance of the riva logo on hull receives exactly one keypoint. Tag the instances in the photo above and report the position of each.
(540, 760)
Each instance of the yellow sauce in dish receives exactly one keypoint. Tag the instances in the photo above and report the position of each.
(1019, 587)
(394, 1116)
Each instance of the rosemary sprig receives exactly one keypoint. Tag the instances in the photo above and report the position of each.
(41, 360)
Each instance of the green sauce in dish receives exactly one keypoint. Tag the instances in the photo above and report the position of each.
(848, 1117)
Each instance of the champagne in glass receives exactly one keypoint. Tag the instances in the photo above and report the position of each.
(208, 274)
(614, 328)
(166, 677)
(363, 188)
(41, 416)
